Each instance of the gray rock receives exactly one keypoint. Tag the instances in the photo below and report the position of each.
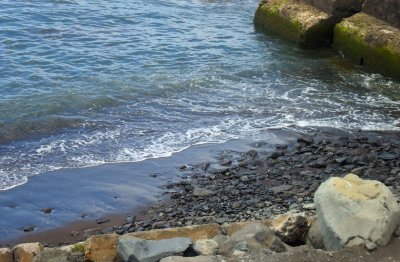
(206, 247)
(280, 189)
(370, 246)
(256, 236)
(136, 249)
(202, 192)
(310, 206)
(193, 259)
(351, 207)
(52, 255)
(357, 241)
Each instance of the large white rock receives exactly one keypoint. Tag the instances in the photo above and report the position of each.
(351, 207)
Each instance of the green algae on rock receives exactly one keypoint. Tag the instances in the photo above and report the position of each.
(369, 42)
(298, 22)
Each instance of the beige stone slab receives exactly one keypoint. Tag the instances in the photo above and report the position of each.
(194, 232)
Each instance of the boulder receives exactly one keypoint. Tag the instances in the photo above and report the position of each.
(6, 255)
(136, 249)
(351, 207)
(102, 248)
(291, 227)
(194, 232)
(52, 255)
(252, 237)
(299, 22)
(386, 10)
(26, 252)
(369, 42)
(206, 247)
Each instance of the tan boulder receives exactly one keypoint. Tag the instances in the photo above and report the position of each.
(6, 255)
(102, 248)
(26, 252)
(351, 207)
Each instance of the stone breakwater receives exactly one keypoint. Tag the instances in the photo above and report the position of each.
(365, 31)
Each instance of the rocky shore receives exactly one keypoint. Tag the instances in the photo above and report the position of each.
(240, 187)
(209, 212)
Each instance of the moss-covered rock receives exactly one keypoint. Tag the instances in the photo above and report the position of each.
(296, 21)
(369, 42)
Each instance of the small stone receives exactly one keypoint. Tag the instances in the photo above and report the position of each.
(238, 253)
(28, 228)
(280, 189)
(46, 210)
(387, 156)
(281, 147)
(226, 162)
(102, 220)
(357, 241)
(310, 206)
(370, 246)
(74, 233)
(308, 140)
(202, 192)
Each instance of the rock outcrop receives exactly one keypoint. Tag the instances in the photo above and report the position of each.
(350, 208)
(136, 249)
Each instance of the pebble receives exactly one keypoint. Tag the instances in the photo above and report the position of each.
(46, 210)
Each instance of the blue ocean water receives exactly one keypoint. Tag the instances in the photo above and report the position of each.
(84, 82)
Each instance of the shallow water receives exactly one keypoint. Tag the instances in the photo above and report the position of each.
(84, 83)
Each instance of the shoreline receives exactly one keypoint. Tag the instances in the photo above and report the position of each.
(240, 171)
